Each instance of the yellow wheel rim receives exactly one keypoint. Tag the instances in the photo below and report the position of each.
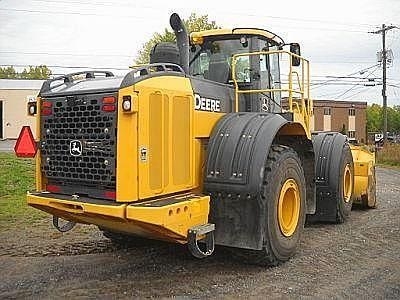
(289, 207)
(347, 184)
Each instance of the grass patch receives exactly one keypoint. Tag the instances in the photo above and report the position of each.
(16, 177)
(389, 155)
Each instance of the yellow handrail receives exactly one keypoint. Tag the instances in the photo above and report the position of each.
(301, 92)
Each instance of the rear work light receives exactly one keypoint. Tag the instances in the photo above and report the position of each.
(126, 103)
(32, 108)
(25, 145)
(130, 103)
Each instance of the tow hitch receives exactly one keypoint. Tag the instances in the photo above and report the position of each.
(206, 230)
(64, 227)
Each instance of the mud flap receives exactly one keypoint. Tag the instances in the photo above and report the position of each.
(234, 172)
(328, 147)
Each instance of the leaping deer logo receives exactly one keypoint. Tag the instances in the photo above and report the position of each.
(75, 148)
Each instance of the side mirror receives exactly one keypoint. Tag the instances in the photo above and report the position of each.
(295, 49)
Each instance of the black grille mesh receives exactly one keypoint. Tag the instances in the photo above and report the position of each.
(79, 118)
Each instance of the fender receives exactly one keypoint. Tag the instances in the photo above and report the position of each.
(237, 151)
(328, 148)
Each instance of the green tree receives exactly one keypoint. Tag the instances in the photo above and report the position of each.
(396, 121)
(193, 23)
(8, 73)
(393, 114)
(33, 72)
(374, 118)
(37, 72)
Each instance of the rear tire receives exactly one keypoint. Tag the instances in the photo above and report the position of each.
(345, 186)
(284, 193)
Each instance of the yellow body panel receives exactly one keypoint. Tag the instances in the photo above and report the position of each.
(197, 37)
(165, 136)
(39, 177)
(127, 150)
(204, 122)
(364, 164)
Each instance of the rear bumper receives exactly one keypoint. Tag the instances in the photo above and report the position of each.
(166, 218)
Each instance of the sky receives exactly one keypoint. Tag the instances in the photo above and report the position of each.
(107, 34)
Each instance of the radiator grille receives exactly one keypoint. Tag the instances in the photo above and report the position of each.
(78, 124)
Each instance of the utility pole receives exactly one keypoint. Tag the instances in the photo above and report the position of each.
(384, 56)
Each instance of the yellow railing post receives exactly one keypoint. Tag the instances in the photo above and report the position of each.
(303, 90)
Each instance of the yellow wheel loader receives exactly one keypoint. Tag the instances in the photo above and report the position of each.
(209, 144)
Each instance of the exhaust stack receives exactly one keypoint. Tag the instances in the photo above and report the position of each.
(182, 40)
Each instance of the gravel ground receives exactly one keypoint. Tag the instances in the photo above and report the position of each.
(358, 259)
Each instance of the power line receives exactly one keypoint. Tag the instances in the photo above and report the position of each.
(355, 94)
(351, 74)
(63, 54)
(224, 11)
(69, 67)
(342, 62)
(144, 18)
(354, 86)
(70, 13)
(344, 93)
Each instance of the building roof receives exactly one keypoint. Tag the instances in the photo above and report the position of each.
(20, 84)
(339, 103)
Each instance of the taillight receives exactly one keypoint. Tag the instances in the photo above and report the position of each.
(109, 100)
(47, 109)
(108, 103)
(110, 194)
(108, 108)
(25, 145)
(53, 188)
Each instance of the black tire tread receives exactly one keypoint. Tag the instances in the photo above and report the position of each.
(341, 213)
(265, 257)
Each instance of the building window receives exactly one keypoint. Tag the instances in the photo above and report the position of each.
(351, 134)
(327, 111)
(352, 111)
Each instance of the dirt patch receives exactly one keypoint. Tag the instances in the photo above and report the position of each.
(358, 259)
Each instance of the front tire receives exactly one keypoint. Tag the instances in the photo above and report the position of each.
(284, 193)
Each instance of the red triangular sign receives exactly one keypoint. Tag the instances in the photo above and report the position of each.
(25, 145)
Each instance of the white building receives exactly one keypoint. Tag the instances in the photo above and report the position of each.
(14, 95)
